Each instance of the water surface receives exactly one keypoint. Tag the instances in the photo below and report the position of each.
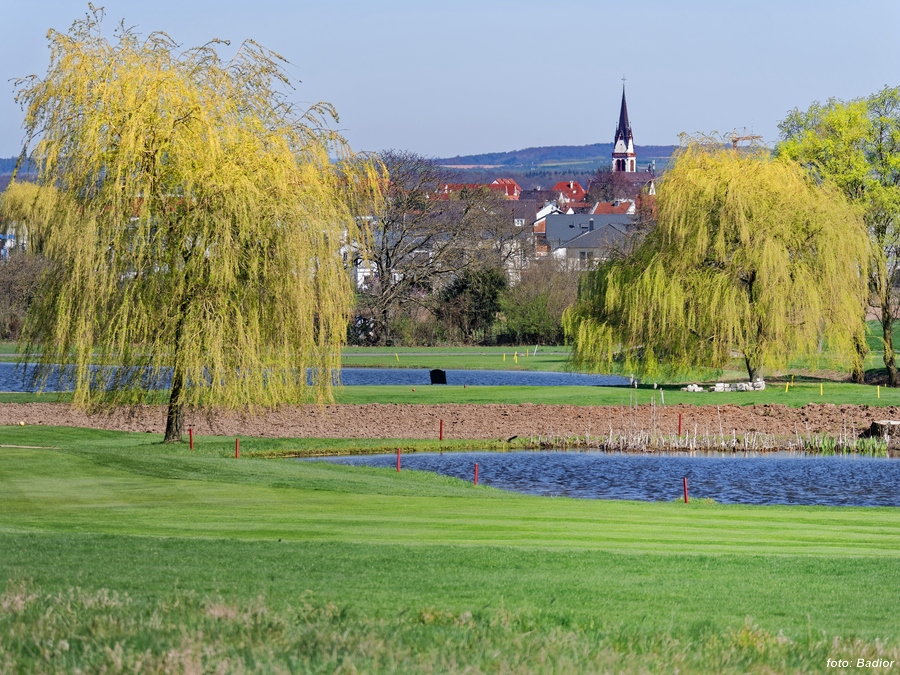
(832, 481)
(13, 378)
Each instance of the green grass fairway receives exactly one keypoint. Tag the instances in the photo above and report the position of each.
(555, 358)
(800, 394)
(126, 549)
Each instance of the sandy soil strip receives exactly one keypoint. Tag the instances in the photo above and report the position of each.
(493, 421)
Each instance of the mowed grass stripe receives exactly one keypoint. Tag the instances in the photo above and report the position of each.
(59, 491)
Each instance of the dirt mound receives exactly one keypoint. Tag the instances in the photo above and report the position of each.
(492, 421)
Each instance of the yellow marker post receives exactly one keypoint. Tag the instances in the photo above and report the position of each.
(820, 388)
(396, 356)
(879, 391)
(786, 385)
(516, 357)
(792, 380)
(504, 357)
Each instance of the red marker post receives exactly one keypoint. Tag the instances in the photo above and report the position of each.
(476, 473)
(237, 448)
(398, 459)
(191, 437)
(441, 434)
(685, 490)
(679, 425)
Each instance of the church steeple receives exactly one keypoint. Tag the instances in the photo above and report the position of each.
(624, 158)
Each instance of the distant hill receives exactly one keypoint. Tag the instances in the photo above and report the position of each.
(8, 164)
(544, 166)
(531, 167)
(554, 156)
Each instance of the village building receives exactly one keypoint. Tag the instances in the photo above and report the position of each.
(508, 188)
(581, 238)
(624, 158)
(569, 192)
(575, 231)
(565, 222)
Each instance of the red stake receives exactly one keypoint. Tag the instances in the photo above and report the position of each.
(237, 448)
(476, 473)
(679, 424)
(398, 459)
(191, 437)
(442, 431)
(685, 490)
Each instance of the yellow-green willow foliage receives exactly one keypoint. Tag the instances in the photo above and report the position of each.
(749, 257)
(193, 220)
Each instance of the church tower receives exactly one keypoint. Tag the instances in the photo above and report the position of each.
(623, 157)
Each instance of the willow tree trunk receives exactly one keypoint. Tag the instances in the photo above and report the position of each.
(175, 416)
(890, 358)
(858, 367)
(754, 369)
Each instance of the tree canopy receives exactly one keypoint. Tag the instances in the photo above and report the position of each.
(856, 145)
(193, 220)
(749, 256)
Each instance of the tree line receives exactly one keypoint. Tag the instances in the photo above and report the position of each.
(199, 232)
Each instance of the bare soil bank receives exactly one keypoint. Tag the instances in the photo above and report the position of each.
(492, 421)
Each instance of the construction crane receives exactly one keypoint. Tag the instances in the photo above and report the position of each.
(735, 138)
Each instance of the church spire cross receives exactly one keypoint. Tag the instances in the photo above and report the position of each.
(624, 129)
(624, 158)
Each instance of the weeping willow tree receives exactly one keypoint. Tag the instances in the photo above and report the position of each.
(193, 220)
(857, 146)
(749, 258)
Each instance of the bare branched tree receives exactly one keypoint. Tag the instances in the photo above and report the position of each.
(428, 230)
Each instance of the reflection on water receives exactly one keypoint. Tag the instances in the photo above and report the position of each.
(833, 481)
(12, 378)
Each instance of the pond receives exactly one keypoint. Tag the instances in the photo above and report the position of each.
(473, 378)
(11, 378)
(780, 479)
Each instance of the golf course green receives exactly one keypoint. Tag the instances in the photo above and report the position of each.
(120, 552)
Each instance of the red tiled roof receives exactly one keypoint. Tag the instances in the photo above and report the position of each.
(507, 186)
(610, 208)
(571, 190)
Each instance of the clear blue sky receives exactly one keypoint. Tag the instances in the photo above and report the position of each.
(462, 77)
